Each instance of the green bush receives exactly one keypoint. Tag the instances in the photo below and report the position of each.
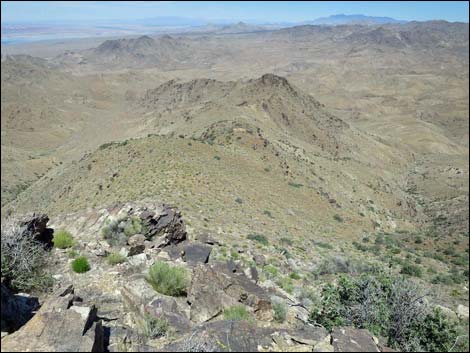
(62, 239)
(295, 275)
(259, 238)
(389, 306)
(237, 313)
(115, 258)
(80, 265)
(271, 270)
(168, 280)
(295, 185)
(280, 311)
(286, 284)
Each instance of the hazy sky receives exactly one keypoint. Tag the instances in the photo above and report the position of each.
(261, 11)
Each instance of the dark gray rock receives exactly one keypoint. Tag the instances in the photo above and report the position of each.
(196, 253)
(136, 250)
(169, 222)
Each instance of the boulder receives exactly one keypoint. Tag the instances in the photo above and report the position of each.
(196, 253)
(462, 311)
(212, 290)
(168, 221)
(137, 260)
(260, 260)
(136, 250)
(136, 239)
(141, 300)
(347, 339)
(63, 324)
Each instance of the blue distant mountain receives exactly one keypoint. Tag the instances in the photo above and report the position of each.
(353, 19)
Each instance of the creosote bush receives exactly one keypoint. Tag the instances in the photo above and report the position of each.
(80, 264)
(168, 280)
(63, 239)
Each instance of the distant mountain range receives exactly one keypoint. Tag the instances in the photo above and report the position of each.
(342, 19)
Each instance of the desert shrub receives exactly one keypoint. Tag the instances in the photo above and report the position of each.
(153, 326)
(360, 246)
(295, 185)
(323, 245)
(295, 275)
(286, 241)
(389, 306)
(239, 200)
(338, 218)
(237, 313)
(23, 259)
(338, 264)
(286, 284)
(259, 238)
(80, 264)
(411, 270)
(118, 231)
(271, 270)
(268, 213)
(442, 279)
(168, 280)
(115, 258)
(63, 239)
(280, 311)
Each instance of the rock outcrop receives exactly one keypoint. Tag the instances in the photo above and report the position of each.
(16, 309)
(215, 288)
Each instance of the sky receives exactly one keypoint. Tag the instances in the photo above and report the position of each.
(254, 11)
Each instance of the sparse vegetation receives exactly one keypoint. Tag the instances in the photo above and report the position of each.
(118, 231)
(338, 218)
(168, 280)
(63, 239)
(154, 326)
(280, 311)
(259, 238)
(115, 258)
(80, 265)
(237, 313)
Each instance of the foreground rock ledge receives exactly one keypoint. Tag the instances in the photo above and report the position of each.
(63, 324)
